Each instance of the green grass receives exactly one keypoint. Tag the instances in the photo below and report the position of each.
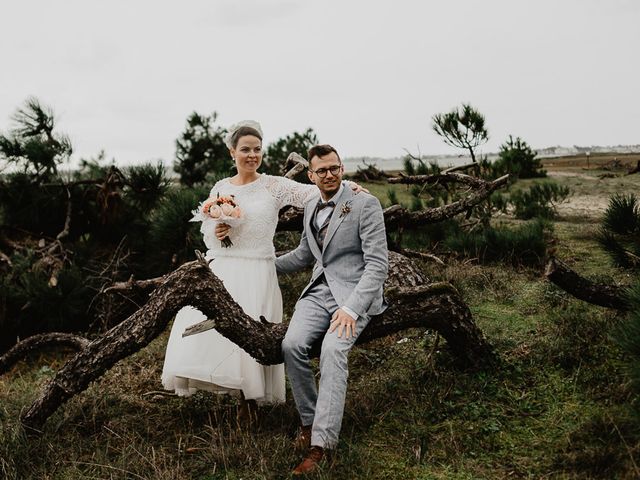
(557, 407)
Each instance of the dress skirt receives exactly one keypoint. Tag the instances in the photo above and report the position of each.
(209, 361)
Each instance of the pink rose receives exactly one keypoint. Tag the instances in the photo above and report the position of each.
(215, 211)
(235, 213)
(206, 206)
(226, 209)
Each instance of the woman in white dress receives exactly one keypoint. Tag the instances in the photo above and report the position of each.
(209, 361)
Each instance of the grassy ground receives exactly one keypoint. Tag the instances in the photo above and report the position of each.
(558, 407)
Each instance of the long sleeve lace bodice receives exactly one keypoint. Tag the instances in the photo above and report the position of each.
(260, 202)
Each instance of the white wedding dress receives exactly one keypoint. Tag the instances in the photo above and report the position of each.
(209, 361)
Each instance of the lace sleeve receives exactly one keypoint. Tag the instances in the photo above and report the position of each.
(289, 192)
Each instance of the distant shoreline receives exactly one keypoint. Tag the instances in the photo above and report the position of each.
(574, 159)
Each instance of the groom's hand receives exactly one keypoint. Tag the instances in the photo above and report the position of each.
(344, 323)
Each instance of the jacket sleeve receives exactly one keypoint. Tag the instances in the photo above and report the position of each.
(296, 259)
(375, 256)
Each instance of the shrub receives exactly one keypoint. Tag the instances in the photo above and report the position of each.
(620, 232)
(627, 335)
(539, 200)
(517, 159)
(524, 245)
(417, 166)
(32, 306)
(620, 237)
(172, 238)
(392, 197)
(146, 184)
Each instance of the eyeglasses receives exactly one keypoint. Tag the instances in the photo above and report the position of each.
(322, 172)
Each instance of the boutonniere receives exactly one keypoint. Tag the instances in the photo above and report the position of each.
(346, 208)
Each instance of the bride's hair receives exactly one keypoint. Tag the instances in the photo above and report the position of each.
(242, 132)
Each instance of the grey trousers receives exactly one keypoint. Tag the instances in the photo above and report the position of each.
(321, 407)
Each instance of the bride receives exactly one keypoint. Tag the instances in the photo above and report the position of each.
(209, 361)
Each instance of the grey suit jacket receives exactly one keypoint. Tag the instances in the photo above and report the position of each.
(354, 259)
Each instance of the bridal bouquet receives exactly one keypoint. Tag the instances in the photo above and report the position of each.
(223, 210)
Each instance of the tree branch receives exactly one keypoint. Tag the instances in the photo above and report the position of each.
(435, 306)
(610, 296)
(35, 343)
(395, 215)
(443, 177)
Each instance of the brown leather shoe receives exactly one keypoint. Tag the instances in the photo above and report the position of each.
(302, 443)
(311, 462)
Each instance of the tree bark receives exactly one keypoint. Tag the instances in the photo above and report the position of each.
(38, 342)
(610, 296)
(413, 304)
(447, 176)
(400, 216)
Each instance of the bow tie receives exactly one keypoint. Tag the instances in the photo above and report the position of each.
(322, 204)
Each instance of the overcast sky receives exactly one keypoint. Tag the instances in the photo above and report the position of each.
(367, 75)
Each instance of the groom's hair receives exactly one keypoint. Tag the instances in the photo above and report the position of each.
(321, 151)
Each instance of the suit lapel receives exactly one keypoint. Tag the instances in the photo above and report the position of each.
(337, 217)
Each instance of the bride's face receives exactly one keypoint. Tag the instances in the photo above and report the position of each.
(248, 154)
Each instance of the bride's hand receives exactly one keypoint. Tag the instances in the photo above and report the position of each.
(357, 188)
(222, 231)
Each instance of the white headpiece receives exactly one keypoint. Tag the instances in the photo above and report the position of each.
(235, 127)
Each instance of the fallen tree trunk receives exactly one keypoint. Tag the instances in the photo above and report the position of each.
(610, 296)
(413, 304)
(395, 215)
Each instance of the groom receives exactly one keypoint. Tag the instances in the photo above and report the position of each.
(344, 236)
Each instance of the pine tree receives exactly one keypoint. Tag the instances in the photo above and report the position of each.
(517, 159)
(275, 155)
(462, 127)
(32, 145)
(201, 151)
